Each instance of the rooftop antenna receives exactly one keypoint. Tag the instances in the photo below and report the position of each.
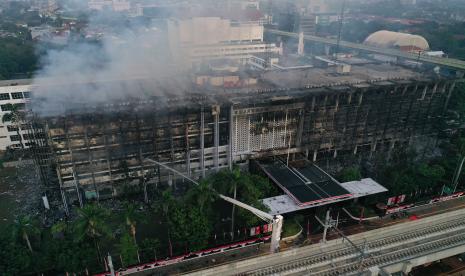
(341, 22)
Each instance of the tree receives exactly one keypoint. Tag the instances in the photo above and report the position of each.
(91, 224)
(14, 258)
(25, 228)
(246, 187)
(149, 246)
(131, 218)
(128, 249)
(16, 116)
(350, 174)
(190, 226)
(201, 195)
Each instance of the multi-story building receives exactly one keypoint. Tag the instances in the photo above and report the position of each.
(99, 151)
(200, 39)
(14, 93)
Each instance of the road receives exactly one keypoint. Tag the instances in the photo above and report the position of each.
(446, 62)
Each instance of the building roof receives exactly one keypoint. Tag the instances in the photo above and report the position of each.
(305, 183)
(283, 204)
(15, 82)
(388, 39)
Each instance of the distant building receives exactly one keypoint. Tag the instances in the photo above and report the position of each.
(113, 5)
(207, 38)
(402, 41)
(14, 92)
(310, 15)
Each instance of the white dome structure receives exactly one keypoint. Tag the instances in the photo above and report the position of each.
(402, 41)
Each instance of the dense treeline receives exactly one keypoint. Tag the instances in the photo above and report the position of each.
(134, 232)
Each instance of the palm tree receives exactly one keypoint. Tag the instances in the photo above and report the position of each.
(458, 170)
(202, 194)
(16, 117)
(236, 176)
(131, 217)
(24, 228)
(91, 224)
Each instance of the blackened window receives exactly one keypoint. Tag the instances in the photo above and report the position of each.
(17, 95)
(12, 128)
(6, 107)
(14, 137)
(4, 96)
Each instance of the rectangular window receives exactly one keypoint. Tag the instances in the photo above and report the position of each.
(4, 96)
(21, 106)
(27, 95)
(17, 95)
(12, 128)
(6, 107)
(14, 138)
(28, 136)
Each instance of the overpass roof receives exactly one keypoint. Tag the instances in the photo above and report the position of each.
(283, 204)
(304, 182)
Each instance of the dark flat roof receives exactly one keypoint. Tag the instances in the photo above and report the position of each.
(305, 183)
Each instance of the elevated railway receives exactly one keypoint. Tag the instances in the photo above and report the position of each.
(387, 250)
(446, 62)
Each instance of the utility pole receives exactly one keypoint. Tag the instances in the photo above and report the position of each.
(333, 223)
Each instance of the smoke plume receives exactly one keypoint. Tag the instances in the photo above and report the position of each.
(131, 63)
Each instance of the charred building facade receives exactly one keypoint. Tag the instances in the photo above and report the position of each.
(312, 112)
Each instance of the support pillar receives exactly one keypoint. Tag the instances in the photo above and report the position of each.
(300, 128)
(202, 141)
(448, 96)
(327, 49)
(231, 136)
(300, 46)
(216, 129)
(407, 268)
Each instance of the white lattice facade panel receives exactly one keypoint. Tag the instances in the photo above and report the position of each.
(258, 133)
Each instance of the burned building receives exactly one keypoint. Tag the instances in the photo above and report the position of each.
(99, 150)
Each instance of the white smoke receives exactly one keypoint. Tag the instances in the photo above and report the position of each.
(134, 62)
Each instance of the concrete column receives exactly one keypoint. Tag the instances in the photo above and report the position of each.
(391, 147)
(448, 96)
(188, 162)
(327, 49)
(63, 193)
(216, 116)
(407, 267)
(300, 128)
(300, 46)
(372, 271)
(315, 153)
(202, 141)
(231, 137)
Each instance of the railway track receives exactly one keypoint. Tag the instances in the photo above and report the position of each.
(379, 252)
